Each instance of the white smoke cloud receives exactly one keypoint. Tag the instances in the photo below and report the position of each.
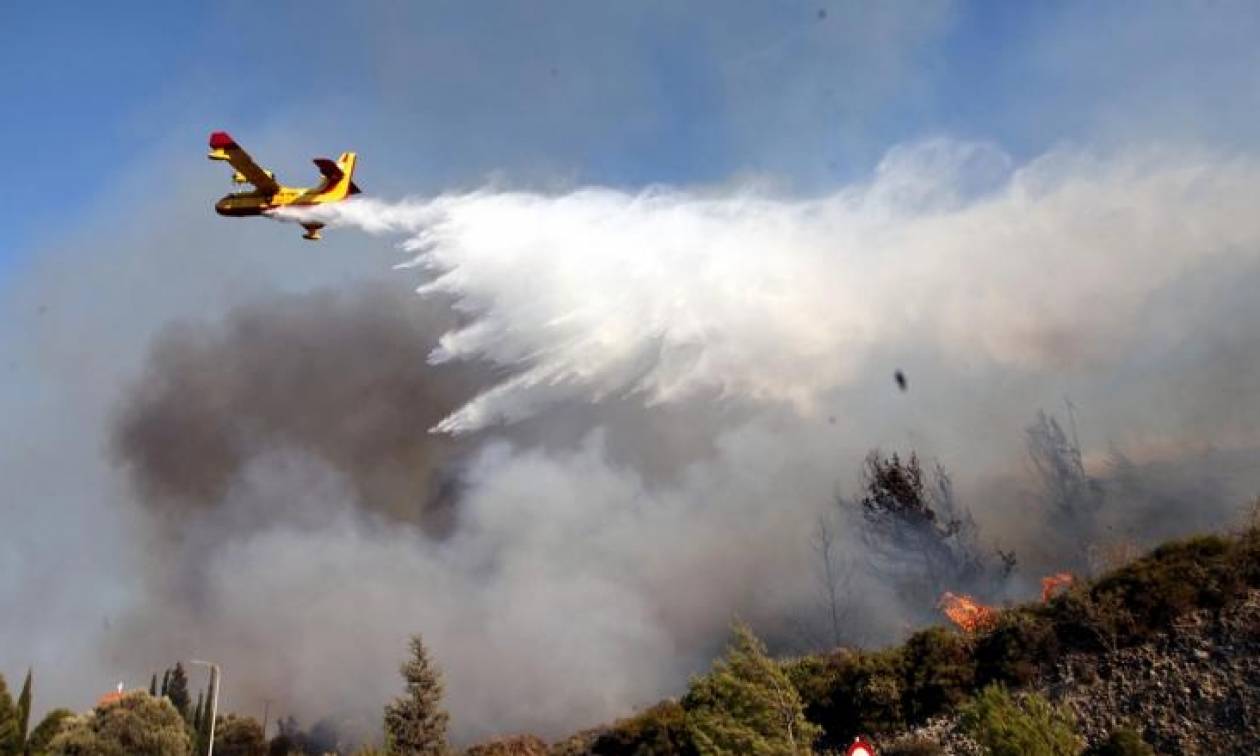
(667, 295)
(570, 593)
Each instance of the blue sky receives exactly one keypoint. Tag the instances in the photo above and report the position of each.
(444, 95)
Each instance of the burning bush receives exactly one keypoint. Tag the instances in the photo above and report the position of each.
(1053, 585)
(967, 613)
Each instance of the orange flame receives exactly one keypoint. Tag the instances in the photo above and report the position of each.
(966, 612)
(1052, 585)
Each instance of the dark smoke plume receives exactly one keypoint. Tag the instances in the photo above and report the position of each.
(339, 375)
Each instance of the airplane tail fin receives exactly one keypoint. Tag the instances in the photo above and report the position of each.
(346, 163)
(338, 177)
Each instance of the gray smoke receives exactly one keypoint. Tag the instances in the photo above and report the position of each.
(249, 475)
(338, 375)
(283, 458)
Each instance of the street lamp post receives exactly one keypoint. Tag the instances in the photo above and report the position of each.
(214, 699)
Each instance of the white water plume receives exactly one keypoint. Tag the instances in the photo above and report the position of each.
(667, 294)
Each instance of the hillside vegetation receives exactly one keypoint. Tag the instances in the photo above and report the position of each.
(846, 693)
(1172, 630)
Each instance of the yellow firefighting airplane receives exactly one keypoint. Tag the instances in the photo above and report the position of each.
(269, 194)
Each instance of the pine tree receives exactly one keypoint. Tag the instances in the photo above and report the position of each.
(195, 721)
(23, 712)
(177, 690)
(8, 720)
(166, 683)
(153, 689)
(203, 722)
(415, 723)
(746, 704)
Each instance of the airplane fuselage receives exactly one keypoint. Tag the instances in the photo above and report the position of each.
(245, 204)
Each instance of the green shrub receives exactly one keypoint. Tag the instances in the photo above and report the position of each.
(658, 731)
(1027, 726)
(1123, 741)
(136, 725)
(813, 676)
(47, 729)
(857, 693)
(1245, 559)
(1094, 620)
(939, 673)
(239, 736)
(879, 695)
(1176, 578)
(515, 745)
(1022, 643)
(746, 704)
(816, 679)
(913, 747)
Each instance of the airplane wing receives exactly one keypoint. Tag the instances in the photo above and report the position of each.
(223, 147)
